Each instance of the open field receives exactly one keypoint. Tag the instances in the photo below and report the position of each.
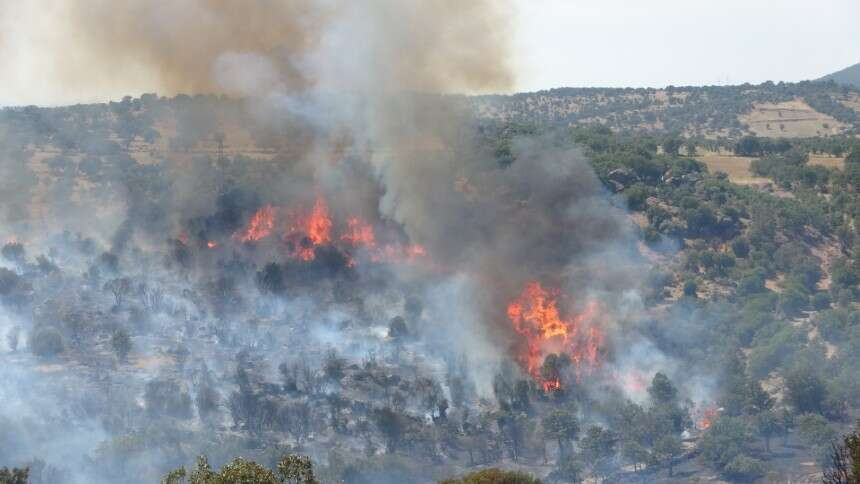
(790, 119)
(827, 160)
(737, 167)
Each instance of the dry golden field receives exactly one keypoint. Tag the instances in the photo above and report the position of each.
(790, 119)
(737, 167)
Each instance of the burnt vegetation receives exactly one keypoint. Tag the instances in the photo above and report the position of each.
(254, 327)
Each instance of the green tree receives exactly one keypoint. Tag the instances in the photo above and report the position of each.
(805, 390)
(46, 342)
(392, 425)
(844, 465)
(672, 145)
(493, 476)
(725, 439)
(598, 449)
(14, 475)
(690, 147)
(666, 449)
(291, 469)
(121, 343)
(744, 469)
(562, 426)
(814, 430)
(767, 425)
(691, 288)
(662, 390)
(568, 470)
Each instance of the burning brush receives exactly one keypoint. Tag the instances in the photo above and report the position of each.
(536, 317)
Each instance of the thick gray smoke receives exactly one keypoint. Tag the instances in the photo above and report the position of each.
(354, 100)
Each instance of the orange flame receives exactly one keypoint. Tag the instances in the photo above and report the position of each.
(260, 226)
(311, 231)
(212, 244)
(307, 230)
(634, 382)
(359, 233)
(415, 250)
(319, 223)
(709, 414)
(535, 316)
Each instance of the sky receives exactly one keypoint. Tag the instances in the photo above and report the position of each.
(580, 43)
(655, 43)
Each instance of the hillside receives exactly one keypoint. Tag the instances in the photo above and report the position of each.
(174, 259)
(775, 110)
(850, 76)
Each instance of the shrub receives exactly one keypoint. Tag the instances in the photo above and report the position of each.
(744, 469)
(47, 342)
(493, 476)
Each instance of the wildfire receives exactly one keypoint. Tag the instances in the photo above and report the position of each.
(319, 223)
(709, 414)
(414, 251)
(634, 382)
(260, 226)
(535, 316)
(306, 230)
(359, 233)
(211, 244)
(551, 385)
(398, 253)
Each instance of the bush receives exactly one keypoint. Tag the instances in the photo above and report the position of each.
(121, 343)
(165, 396)
(691, 288)
(47, 342)
(805, 391)
(493, 476)
(821, 301)
(744, 469)
(814, 430)
(725, 440)
(792, 301)
(741, 248)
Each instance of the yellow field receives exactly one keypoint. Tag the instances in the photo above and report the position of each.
(790, 119)
(828, 161)
(737, 167)
(852, 101)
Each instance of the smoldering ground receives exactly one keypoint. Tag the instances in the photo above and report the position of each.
(356, 96)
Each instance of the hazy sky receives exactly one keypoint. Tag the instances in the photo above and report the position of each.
(683, 42)
(566, 43)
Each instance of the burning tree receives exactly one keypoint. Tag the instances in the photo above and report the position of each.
(535, 316)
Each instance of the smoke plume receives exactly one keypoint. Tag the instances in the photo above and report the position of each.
(357, 102)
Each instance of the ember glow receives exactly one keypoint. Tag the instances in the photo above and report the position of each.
(634, 382)
(709, 414)
(536, 317)
(319, 223)
(260, 225)
(305, 232)
(359, 233)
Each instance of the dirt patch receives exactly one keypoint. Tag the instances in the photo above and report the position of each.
(827, 252)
